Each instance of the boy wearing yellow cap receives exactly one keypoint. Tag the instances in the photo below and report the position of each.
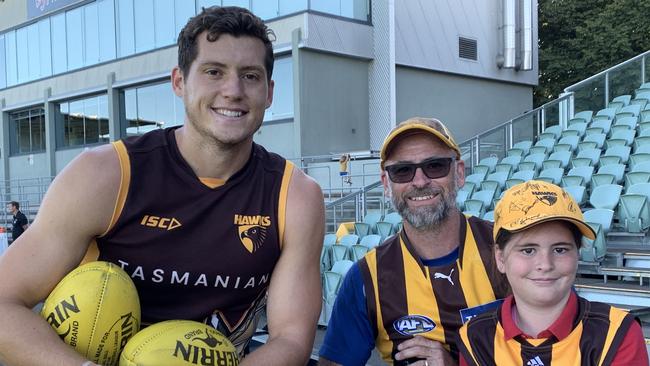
(538, 229)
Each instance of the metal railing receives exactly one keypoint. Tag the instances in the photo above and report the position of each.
(353, 206)
(497, 140)
(595, 92)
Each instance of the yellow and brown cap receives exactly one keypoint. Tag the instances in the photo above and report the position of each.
(419, 125)
(533, 202)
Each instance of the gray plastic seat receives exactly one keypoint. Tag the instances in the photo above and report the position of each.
(551, 175)
(594, 250)
(598, 138)
(520, 177)
(585, 172)
(600, 126)
(602, 216)
(617, 170)
(633, 212)
(605, 113)
(585, 116)
(570, 141)
(490, 162)
(562, 156)
(629, 111)
(621, 151)
(627, 137)
(605, 196)
(591, 155)
(578, 193)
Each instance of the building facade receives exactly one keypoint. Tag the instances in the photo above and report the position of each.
(75, 74)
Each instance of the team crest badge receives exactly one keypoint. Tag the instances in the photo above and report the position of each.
(252, 236)
(252, 230)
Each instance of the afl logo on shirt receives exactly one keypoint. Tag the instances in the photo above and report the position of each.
(252, 230)
(413, 324)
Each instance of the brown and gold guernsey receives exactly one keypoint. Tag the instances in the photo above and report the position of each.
(196, 248)
(406, 298)
(598, 331)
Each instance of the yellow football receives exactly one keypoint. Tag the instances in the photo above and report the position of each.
(179, 342)
(95, 309)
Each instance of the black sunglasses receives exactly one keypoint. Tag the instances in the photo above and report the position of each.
(432, 168)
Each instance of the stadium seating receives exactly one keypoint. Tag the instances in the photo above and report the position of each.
(606, 196)
(370, 241)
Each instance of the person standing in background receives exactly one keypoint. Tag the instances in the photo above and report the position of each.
(343, 171)
(19, 223)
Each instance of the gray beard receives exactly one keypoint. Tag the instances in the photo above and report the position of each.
(427, 218)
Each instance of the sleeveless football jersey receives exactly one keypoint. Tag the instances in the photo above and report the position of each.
(598, 331)
(196, 252)
(406, 298)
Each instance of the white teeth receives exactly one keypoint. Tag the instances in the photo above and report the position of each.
(228, 113)
(421, 198)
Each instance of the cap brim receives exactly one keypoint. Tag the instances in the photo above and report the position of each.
(584, 228)
(414, 128)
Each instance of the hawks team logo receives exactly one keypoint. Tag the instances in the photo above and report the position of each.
(252, 230)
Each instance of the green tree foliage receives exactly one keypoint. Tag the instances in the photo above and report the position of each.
(579, 38)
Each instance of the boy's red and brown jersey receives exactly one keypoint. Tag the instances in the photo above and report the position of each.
(195, 248)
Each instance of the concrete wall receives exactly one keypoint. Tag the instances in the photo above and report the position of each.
(468, 106)
(426, 36)
(334, 107)
(63, 157)
(12, 13)
(28, 166)
(274, 138)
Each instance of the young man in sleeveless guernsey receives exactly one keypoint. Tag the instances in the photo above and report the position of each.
(209, 225)
(538, 230)
(409, 296)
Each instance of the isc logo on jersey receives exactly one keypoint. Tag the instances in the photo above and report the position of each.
(413, 324)
(252, 230)
(165, 223)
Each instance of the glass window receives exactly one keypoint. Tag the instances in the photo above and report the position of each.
(282, 106)
(266, 9)
(3, 64)
(164, 22)
(12, 66)
(33, 52)
(107, 34)
(326, 6)
(22, 54)
(74, 30)
(356, 9)
(85, 121)
(292, 6)
(45, 45)
(59, 54)
(126, 28)
(207, 3)
(183, 11)
(151, 107)
(27, 131)
(144, 25)
(91, 34)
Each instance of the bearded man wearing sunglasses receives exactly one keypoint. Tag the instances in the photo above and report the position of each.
(409, 296)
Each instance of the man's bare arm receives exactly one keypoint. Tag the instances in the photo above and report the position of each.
(77, 207)
(295, 292)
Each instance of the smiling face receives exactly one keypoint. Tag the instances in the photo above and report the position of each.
(226, 90)
(540, 264)
(423, 202)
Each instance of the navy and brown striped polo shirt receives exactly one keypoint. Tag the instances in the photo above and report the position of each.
(196, 249)
(406, 298)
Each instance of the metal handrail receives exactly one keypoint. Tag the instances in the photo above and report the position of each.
(604, 72)
(353, 194)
